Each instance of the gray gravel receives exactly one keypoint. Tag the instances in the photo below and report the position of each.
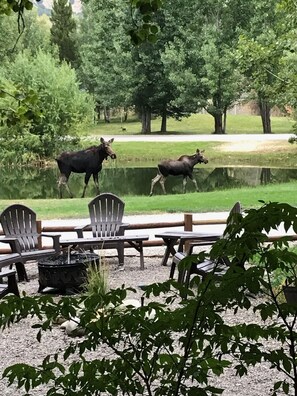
(18, 343)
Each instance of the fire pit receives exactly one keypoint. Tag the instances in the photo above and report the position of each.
(66, 273)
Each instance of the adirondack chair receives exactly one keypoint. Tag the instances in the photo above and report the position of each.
(205, 267)
(11, 286)
(106, 215)
(20, 229)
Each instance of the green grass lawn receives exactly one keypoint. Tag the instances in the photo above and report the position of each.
(221, 200)
(195, 124)
(279, 154)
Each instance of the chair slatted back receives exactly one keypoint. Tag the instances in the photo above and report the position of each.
(236, 210)
(106, 214)
(19, 221)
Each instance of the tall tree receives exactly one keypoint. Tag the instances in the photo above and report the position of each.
(104, 50)
(118, 73)
(204, 50)
(63, 30)
(260, 52)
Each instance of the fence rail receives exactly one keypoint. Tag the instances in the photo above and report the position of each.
(187, 223)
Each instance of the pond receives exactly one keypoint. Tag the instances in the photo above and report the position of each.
(31, 182)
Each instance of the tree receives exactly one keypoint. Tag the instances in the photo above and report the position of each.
(63, 30)
(260, 53)
(119, 74)
(105, 68)
(205, 52)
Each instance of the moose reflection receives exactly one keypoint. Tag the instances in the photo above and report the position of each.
(41, 182)
(183, 166)
(88, 161)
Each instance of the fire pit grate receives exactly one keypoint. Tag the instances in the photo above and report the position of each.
(65, 273)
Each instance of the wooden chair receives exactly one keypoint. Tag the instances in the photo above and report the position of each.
(205, 267)
(106, 215)
(6, 261)
(20, 229)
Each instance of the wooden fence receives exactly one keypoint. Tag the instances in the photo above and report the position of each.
(187, 223)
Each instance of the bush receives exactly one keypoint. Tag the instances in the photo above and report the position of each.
(57, 110)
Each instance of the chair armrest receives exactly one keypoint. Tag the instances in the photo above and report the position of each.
(7, 272)
(56, 240)
(192, 244)
(13, 242)
(80, 229)
(123, 227)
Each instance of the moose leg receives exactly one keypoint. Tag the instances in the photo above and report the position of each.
(63, 181)
(154, 181)
(87, 178)
(96, 182)
(195, 183)
(185, 179)
(162, 182)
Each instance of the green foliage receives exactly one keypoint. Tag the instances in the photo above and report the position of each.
(63, 29)
(145, 28)
(97, 279)
(55, 106)
(170, 345)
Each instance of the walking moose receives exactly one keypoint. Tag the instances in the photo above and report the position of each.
(88, 161)
(183, 166)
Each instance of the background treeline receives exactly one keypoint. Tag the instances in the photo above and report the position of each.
(65, 70)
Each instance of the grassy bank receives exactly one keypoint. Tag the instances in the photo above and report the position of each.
(195, 124)
(280, 154)
(213, 201)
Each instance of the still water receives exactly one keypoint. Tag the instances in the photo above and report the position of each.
(31, 182)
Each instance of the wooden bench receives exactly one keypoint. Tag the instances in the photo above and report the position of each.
(6, 271)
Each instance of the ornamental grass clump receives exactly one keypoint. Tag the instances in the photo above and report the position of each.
(97, 278)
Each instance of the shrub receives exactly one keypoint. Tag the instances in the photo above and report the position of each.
(59, 108)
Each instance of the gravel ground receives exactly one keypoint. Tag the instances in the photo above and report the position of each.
(18, 343)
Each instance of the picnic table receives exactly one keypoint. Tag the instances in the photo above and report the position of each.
(171, 238)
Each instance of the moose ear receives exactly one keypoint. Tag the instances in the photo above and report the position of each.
(101, 140)
(198, 151)
(111, 140)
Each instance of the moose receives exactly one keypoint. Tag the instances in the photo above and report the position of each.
(183, 166)
(88, 161)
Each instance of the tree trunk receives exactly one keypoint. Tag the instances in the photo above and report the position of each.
(224, 120)
(265, 115)
(218, 119)
(107, 114)
(125, 114)
(146, 117)
(164, 122)
(97, 113)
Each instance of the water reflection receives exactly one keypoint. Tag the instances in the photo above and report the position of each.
(27, 182)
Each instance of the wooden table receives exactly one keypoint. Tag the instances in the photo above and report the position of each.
(135, 241)
(171, 238)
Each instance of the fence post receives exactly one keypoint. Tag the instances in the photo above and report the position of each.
(39, 229)
(188, 219)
